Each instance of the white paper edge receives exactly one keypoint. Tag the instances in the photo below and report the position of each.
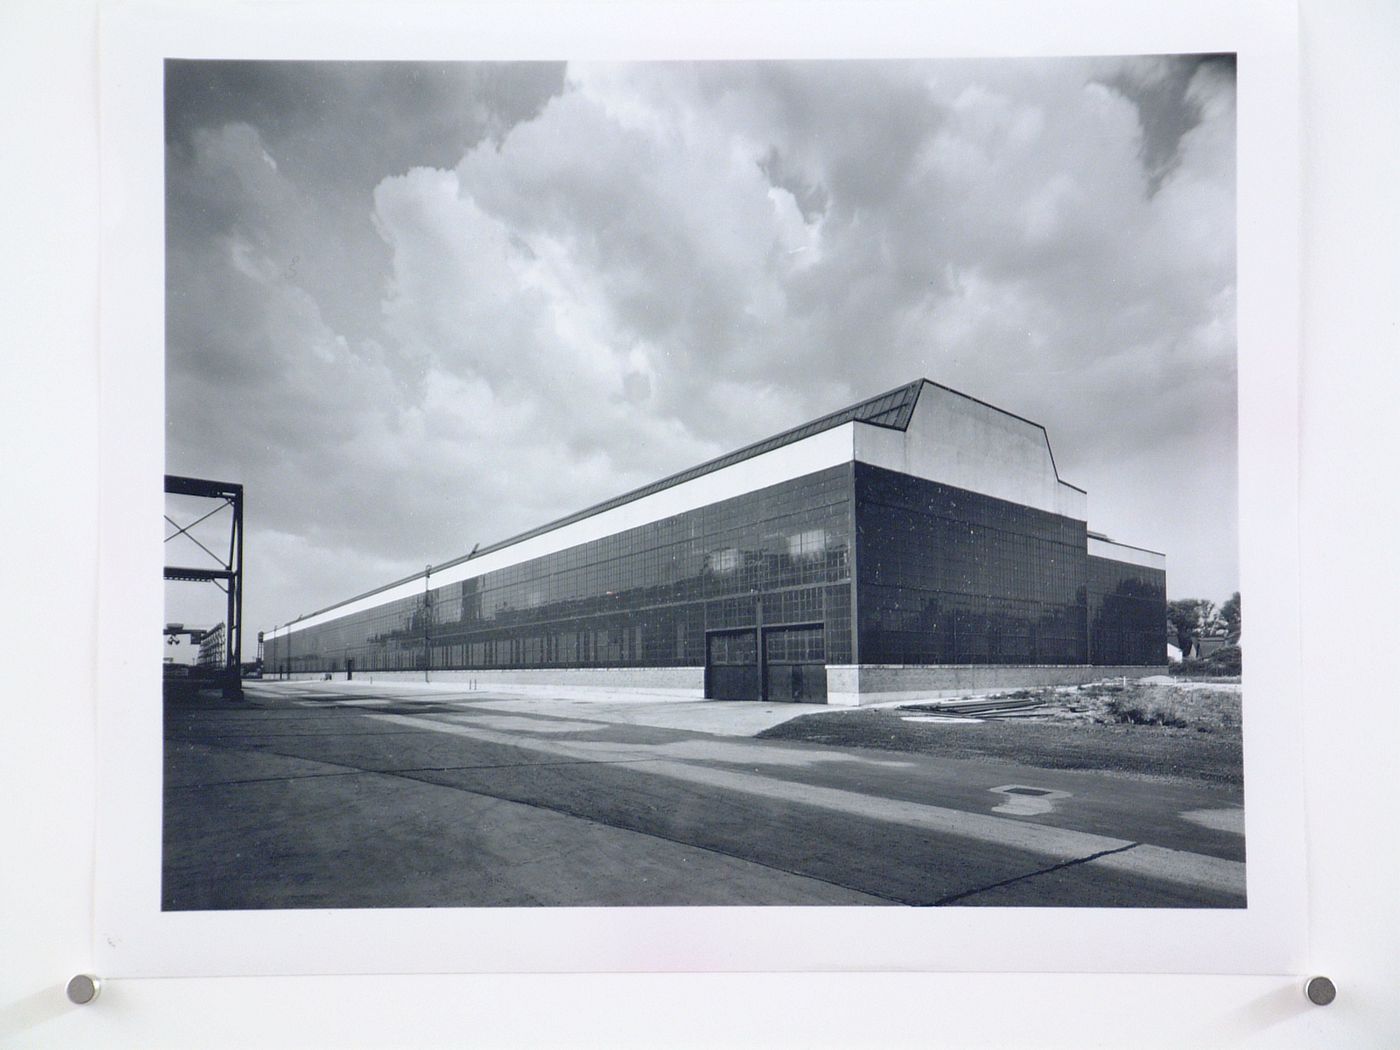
(133, 938)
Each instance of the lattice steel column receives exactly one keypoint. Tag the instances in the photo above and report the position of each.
(228, 577)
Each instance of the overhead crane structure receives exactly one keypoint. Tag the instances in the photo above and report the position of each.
(226, 573)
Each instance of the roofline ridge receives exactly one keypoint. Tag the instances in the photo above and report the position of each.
(735, 455)
(1131, 546)
(823, 423)
(819, 425)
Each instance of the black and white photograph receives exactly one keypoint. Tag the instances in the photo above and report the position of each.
(702, 483)
(699, 524)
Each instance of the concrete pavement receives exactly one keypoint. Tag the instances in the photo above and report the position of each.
(315, 794)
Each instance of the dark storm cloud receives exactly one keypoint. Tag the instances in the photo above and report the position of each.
(358, 120)
(1166, 107)
(812, 199)
(334, 130)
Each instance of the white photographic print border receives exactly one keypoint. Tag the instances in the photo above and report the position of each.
(133, 937)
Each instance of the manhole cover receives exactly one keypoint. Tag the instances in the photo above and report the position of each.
(1024, 801)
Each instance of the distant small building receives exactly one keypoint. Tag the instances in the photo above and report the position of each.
(182, 645)
(918, 541)
(212, 648)
(1206, 646)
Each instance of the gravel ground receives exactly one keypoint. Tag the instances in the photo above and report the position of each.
(1106, 728)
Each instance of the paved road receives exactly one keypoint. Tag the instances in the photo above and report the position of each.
(347, 796)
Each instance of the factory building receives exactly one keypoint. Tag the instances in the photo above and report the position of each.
(918, 543)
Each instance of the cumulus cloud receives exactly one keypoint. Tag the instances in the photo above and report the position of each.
(540, 287)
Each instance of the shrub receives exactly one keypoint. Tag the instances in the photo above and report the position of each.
(1154, 705)
(1141, 714)
(1225, 661)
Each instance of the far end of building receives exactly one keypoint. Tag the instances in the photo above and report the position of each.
(916, 543)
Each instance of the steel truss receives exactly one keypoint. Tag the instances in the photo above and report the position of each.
(228, 577)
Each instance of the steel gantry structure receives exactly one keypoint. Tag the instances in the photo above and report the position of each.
(228, 577)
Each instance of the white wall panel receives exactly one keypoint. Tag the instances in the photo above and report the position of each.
(1122, 552)
(956, 440)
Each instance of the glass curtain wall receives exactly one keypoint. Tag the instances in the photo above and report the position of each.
(641, 598)
(1127, 613)
(947, 576)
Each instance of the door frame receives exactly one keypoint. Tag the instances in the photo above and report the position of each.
(763, 646)
(753, 630)
(761, 630)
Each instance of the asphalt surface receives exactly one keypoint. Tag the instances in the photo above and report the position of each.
(337, 795)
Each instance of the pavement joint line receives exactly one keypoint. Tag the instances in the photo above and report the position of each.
(354, 771)
(289, 736)
(454, 715)
(954, 897)
(1169, 865)
(266, 780)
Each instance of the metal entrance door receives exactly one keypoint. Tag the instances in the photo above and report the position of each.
(731, 665)
(795, 664)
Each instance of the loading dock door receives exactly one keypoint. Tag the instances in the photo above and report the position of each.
(731, 665)
(795, 663)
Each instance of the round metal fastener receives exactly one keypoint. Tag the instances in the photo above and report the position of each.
(1321, 991)
(83, 989)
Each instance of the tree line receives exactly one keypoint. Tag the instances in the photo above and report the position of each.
(1196, 618)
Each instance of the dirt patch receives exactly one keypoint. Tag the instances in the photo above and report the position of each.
(1141, 729)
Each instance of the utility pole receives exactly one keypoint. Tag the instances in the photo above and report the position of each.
(427, 621)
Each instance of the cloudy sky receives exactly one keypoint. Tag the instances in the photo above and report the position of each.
(414, 307)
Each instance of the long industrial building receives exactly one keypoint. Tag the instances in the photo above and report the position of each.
(918, 543)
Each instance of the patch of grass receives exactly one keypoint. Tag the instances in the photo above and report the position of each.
(1138, 714)
(1174, 706)
(1100, 689)
(1143, 729)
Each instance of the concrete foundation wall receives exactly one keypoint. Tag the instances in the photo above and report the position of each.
(681, 682)
(854, 685)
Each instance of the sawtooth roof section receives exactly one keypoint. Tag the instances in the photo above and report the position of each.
(892, 409)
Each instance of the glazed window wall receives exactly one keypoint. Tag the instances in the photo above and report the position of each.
(948, 576)
(643, 597)
(1127, 614)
